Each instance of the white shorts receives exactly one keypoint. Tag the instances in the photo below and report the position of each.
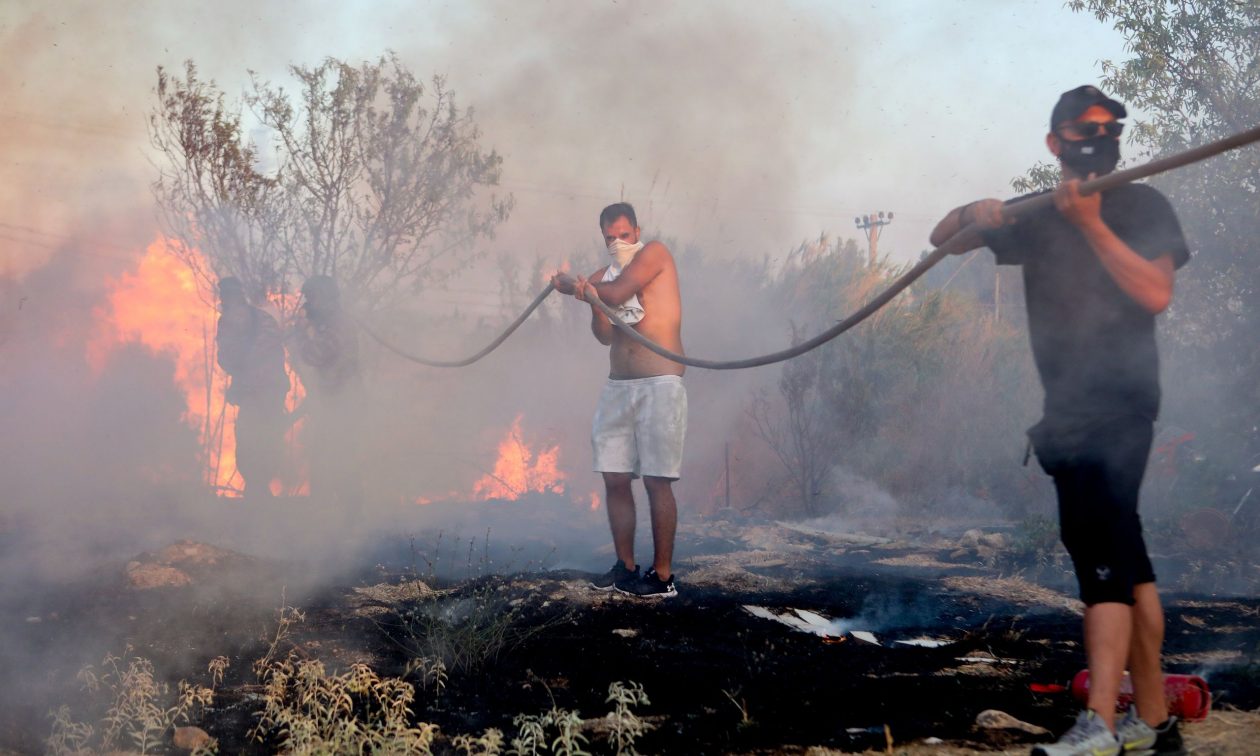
(639, 427)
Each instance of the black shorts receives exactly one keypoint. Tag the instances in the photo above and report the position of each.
(1098, 477)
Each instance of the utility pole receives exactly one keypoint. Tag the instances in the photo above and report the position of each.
(871, 225)
(997, 294)
(728, 475)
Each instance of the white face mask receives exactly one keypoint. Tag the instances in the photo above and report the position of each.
(623, 251)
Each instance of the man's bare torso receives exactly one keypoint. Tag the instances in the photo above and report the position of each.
(662, 323)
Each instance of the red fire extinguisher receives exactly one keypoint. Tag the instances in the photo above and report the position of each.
(1188, 695)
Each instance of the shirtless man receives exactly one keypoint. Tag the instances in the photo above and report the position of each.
(642, 414)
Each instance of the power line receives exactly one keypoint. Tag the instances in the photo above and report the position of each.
(63, 237)
(62, 243)
(82, 252)
(69, 126)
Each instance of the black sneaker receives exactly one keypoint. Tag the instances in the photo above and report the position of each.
(1168, 739)
(619, 573)
(648, 586)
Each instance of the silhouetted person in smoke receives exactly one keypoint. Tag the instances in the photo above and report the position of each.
(641, 419)
(327, 348)
(251, 351)
(1097, 270)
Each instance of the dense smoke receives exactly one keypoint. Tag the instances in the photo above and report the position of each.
(736, 133)
(657, 124)
(721, 126)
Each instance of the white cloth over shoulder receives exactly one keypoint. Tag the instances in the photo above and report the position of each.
(631, 310)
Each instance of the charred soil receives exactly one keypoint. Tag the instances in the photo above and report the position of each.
(720, 678)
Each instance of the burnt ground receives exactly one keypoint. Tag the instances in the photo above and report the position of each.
(720, 680)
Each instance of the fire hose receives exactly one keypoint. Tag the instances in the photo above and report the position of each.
(538, 300)
(957, 243)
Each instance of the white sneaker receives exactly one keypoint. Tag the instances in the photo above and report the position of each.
(1088, 737)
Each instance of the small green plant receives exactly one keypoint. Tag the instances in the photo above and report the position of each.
(489, 744)
(217, 667)
(461, 632)
(742, 704)
(307, 710)
(68, 736)
(432, 673)
(138, 712)
(463, 628)
(569, 738)
(1036, 542)
(286, 618)
(626, 727)
(533, 734)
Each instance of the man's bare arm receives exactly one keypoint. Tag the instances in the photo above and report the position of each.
(1147, 282)
(578, 287)
(600, 325)
(987, 213)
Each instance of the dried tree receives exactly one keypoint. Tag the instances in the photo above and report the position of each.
(377, 180)
(804, 439)
(209, 192)
(929, 396)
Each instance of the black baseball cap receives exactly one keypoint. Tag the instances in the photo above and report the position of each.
(1076, 101)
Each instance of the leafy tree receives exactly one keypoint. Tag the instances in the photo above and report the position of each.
(800, 425)
(209, 193)
(1194, 77)
(927, 395)
(804, 440)
(378, 180)
(1041, 176)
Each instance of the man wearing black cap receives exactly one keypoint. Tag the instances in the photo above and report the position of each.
(251, 352)
(1097, 270)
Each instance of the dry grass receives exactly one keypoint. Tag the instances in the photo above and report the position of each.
(376, 600)
(922, 560)
(308, 710)
(1016, 591)
(1226, 732)
(131, 708)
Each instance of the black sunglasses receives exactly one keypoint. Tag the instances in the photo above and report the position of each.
(1090, 129)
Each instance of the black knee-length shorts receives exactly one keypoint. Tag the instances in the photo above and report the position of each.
(1098, 483)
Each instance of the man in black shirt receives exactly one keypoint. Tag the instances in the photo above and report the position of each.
(1097, 270)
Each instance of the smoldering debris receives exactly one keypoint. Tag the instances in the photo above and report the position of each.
(903, 635)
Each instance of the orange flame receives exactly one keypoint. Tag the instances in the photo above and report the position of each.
(298, 468)
(518, 470)
(162, 306)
